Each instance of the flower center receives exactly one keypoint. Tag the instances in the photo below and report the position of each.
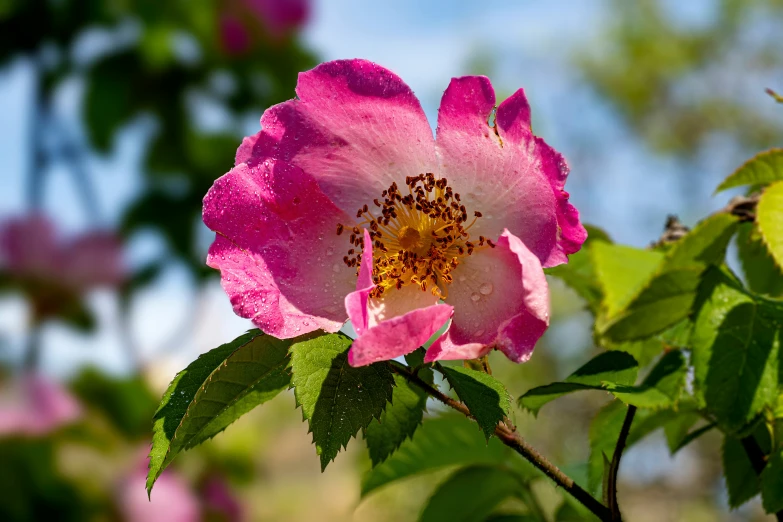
(419, 238)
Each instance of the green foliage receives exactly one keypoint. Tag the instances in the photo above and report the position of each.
(735, 345)
(214, 391)
(579, 273)
(622, 272)
(440, 442)
(763, 276)
(667, 296)
(126, 402)
(604, 432)
(470, 494)
(485, 396)
(660, 389)
(337, 400)
(772, 483)
(613, 367)
(398, 421)
(742, 482)
(763, 168)
(769, 217)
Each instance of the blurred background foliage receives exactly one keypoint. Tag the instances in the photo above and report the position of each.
(681, 80)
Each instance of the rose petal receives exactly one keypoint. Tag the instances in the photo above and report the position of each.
(35, 405)
(356, 303)
(501, 299)
(277, 248)
(356, 128)
(504, 180)
(398, 336)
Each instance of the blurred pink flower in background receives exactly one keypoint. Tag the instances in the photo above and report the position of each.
(275, 18)
(172, 500)
(34, 405)
(219, 501)
(29, 248)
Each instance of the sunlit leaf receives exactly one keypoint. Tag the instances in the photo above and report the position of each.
(763, 168)
(337, 400)
(762, 275)
(769, 217)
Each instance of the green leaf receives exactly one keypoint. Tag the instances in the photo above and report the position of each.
(742, 482)
(614, 366)
(772, 483)
(769, 218)
(471, 494)
(572, 511)
(668, 297)
(337, 399)
(579, 273)
(440, 442)
(397, 422)
(735, 344)
(622, 272)
(660, 389)
(763, 276)
(214, 391)
(763, 168)
(485, 396)
(604, 432)
(109, 99)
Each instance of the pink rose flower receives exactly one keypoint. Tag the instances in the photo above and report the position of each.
(30, 249)
(33, 405)
(348, 179)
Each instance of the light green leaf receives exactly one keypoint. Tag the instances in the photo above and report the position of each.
(214, 391)
(763, 276)
(439, 442)
(742, 482)
(667, 298)
(471, 494)
(763, 168)
(772, 483)
(735, 346)
(615, 367)
(485, 396)
(622, 272)
(769, 218)
(337, 400)
(579, 274)
(660, 389)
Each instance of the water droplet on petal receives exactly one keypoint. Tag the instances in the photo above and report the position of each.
(329, 251)
(462, 279)
(486, 288)
(479, 332)
(475, 297)
(335, 268)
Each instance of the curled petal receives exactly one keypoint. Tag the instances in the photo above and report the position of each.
(499, 173)
(356, 128)
(277, 248)
(501, 300)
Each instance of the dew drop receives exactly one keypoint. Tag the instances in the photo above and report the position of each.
(474, 297)
(462, 279)
(335, 268)
(329, 251)
(486, 288)
(479, 332)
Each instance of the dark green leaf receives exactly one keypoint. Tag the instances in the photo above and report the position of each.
(761, 169)
(677, 434)
(772, 483)
(761, 273)
(109, 99)
(572, 511)
(471, 494)
(742, 482)
(215, 390)
(485, 396)
(615, 367)
(660, 389)
(769, 218)
(439, 442)
(337, 400)
(604, 432)
(397, 422)
(735, 350)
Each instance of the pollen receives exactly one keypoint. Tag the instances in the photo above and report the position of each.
(419, 238)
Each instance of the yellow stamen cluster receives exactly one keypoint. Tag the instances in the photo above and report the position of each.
(418, 238)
